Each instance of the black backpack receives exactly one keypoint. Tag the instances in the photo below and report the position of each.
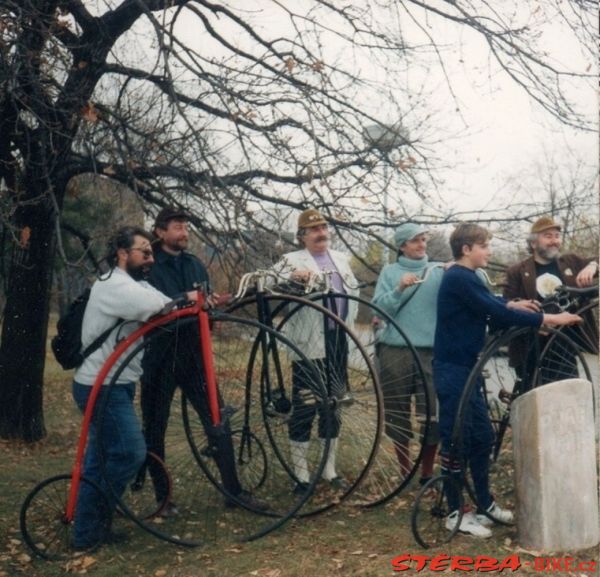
(66, 345)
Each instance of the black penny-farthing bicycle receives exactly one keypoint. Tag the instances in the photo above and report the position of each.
(513, 362)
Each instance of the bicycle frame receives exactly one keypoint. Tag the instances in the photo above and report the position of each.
(199, 309)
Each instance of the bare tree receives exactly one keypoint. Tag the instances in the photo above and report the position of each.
(229, 109)
(563, 187)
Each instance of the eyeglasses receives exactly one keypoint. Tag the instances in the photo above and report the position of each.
(147, 252)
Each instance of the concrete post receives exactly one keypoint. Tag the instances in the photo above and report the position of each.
(556, 475)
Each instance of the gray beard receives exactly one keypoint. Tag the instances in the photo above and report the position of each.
(549, 254)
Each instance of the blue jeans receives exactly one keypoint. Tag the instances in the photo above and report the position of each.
(124, 451)
(477, 432)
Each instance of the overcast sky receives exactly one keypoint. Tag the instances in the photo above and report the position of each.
(497, 133)
(502, 131)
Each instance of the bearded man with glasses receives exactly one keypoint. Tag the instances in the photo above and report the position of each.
(120, 295)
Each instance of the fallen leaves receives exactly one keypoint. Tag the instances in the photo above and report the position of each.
(81, 564)
(15, 553)
(233, 550)
(23, 558)
(267, 572)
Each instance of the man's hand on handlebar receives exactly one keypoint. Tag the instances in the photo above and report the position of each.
(212, 300)
(528, 305)
(302, 276)
(560, 319)
(407, 280)
(218, 300)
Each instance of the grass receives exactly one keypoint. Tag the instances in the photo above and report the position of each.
(345, 541)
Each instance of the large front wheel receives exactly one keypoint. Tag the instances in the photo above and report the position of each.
(236, 493)
(239, 456)
(294, 424)
(512, 364)
(410, 429)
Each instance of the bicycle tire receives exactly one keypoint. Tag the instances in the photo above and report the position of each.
(241, 391)
(353, 390)
(430, 512)
(250, 458)
(547, 363)
(585, 337)
(200, 498)
(386, 479)
(44, 524)
(140, 495)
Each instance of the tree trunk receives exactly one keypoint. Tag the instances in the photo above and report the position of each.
(24, 330)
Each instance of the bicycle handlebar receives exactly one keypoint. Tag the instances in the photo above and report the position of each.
(565, 297)
(481, 271)
(316, 281)
(171, 305)
(580, 291)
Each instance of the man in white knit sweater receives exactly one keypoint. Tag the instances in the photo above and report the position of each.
(120, 294)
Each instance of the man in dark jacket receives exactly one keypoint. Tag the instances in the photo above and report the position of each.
(536, 277)
(174, 270)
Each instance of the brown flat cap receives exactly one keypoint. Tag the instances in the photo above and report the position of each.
(544, 223)
(169, 213)
(309, 218)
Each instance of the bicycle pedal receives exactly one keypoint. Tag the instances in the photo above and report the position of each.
(271, 411)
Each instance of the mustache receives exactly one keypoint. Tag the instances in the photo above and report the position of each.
(321, 237)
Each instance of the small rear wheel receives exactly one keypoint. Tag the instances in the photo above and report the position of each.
(250, 458)
(44, 523)
(429, 518)
(140, 494)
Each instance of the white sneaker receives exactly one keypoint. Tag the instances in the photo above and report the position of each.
(502, 515)
(468, 525)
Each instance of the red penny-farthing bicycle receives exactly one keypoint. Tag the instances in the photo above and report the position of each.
(231, 350)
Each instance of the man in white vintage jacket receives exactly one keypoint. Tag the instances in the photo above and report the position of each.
(324, 343)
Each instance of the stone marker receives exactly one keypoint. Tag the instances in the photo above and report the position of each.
(555, 467)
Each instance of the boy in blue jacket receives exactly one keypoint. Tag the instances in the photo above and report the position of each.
(465, 308)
